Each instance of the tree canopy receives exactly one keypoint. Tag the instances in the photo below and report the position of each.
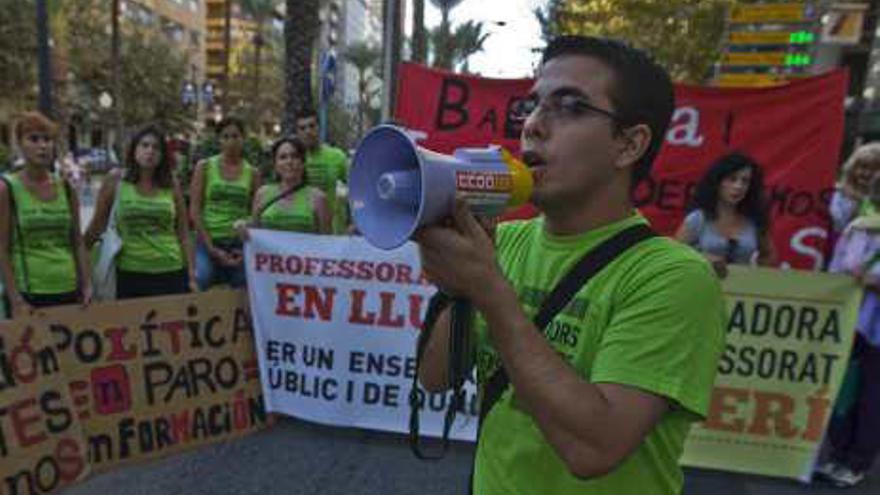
(685, 36)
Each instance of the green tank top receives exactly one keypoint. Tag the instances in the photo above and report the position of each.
(45, 239)
(148, 228)
(225, 201)
(295, 213)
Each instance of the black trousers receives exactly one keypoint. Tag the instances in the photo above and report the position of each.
(43, 300)
(137, 284)
(855, 436)
(49, 300)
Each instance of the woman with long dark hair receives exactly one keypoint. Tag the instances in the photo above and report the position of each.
(221, 192)
(42, 258)
(729, 222)
(151, 219)
(291, 204)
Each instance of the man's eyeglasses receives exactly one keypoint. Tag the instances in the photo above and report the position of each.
(565, 106)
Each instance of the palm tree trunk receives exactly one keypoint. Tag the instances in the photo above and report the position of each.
(258, 49)
(116, 63)
(446, 54)
(300, 32)
(420, 47)
(227, 47)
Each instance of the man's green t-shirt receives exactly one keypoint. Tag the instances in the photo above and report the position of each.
(324, 168)
(652, 319)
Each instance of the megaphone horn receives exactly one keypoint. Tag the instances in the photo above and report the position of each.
(397, 186)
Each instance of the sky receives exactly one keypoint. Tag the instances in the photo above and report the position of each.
(507, 52)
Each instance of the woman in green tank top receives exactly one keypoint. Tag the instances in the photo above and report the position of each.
(221, 192)
(151, 219)
(42, 257)
(290, 204)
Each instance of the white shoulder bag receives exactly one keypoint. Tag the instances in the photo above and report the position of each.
(104, 268)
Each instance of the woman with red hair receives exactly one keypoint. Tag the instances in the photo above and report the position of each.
(42, 257)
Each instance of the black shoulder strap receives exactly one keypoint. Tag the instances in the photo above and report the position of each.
(277, 198)
(460, 334)
(69, 196)
(592, 263)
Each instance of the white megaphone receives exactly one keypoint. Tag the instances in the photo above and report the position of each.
(396, 186)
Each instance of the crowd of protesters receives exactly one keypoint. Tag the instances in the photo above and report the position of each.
(729, 223)
(168, 245)
(158, 243)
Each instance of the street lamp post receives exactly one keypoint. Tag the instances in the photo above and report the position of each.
(45, 58)
(107, 102)
(116, 99)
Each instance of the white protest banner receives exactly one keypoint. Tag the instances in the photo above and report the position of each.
(336, 323)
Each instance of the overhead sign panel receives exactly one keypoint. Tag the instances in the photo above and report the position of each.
(770, 13)
(766, 58)
(803, 37)
(844, 23)
(728, 80)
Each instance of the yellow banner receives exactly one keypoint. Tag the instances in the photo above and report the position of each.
(748, 80)
(757, 58)
(156, 376)
(788, 342)
(769, 13)
(42, 447)
(760, 38)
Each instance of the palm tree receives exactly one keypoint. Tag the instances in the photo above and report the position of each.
(547, 16)
(452, 50)
(468, 40)
(444, 49)
(260, 11)
(301, 27)
(365, 58)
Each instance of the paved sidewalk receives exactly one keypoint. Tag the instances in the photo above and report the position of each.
(294, 458)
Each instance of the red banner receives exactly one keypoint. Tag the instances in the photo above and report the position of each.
(795, 132)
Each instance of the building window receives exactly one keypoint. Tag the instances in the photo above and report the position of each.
(216, 58)
(173, 31)
(216, 11)
(138, 14)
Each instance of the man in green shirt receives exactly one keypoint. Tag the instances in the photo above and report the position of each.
(601, 400)
(325, 166)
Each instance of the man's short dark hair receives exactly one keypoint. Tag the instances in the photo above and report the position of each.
(642, 92)
(305, 113)
(231, 122)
